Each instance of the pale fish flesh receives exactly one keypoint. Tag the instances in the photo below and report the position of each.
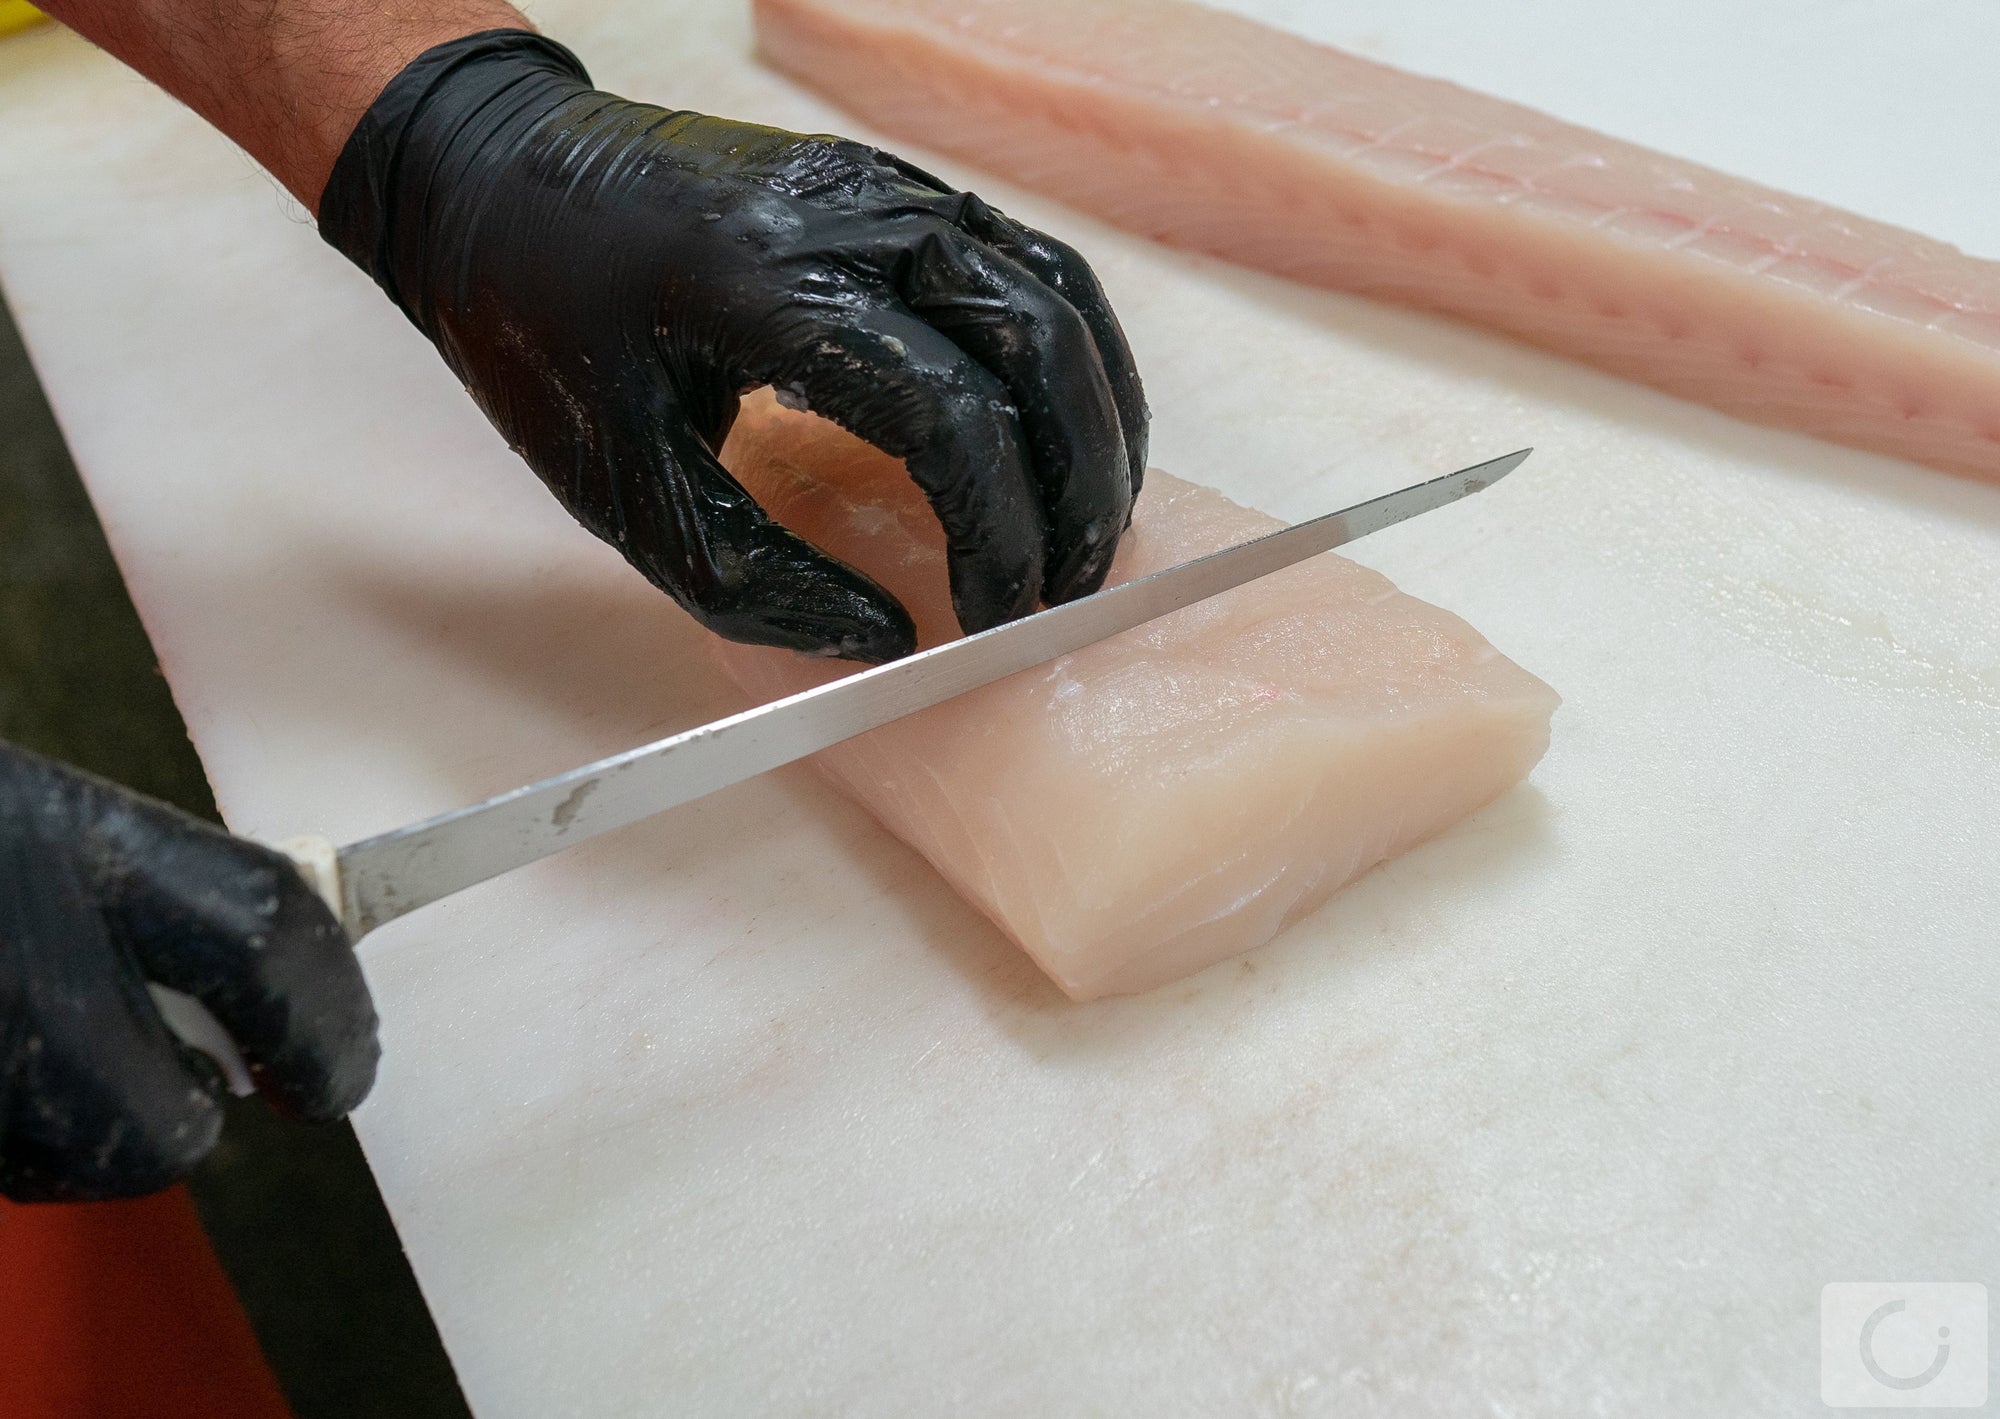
(1163, 800)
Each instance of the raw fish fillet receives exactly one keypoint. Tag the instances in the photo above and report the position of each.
(1168, 798)
(1221, 134)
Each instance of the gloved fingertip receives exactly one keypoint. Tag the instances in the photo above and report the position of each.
(870, 640)
(984, 597)
(338, 1078)
(1082, 567)
(881, 640)
(872, 629)
(1085, 576)
(844, 612)
(801, 599)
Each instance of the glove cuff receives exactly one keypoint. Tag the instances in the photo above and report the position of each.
(398, 152)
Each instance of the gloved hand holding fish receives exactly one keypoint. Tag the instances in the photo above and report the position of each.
(738, 256)
(1141, 728)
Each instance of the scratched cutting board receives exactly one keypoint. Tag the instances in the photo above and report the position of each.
(1573, 1110)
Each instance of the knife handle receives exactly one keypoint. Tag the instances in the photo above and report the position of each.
(319, 863)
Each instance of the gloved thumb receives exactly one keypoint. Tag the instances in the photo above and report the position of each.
(706, 542)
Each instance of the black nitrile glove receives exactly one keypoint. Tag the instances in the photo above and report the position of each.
(607, 277)
(102, 891)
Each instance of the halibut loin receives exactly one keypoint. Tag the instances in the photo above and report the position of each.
(1178, 794)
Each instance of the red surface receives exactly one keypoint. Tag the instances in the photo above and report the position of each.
(117, 1309)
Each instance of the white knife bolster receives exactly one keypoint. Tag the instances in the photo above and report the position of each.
(318, 861)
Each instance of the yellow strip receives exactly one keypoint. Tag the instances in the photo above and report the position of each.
(18, 15)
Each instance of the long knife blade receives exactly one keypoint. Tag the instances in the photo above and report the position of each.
(382, 877)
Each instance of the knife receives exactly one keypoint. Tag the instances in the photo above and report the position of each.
(378, 879)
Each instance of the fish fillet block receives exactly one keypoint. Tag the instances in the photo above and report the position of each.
(1178, 794)
(1221, 134)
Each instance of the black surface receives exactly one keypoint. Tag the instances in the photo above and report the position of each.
(293, 1212)
(291, 1208)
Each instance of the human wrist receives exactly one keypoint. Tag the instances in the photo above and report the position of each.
(434, 123)
(286, 80)
(369, 61)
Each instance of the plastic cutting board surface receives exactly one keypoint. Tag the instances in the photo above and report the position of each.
(741, 1111)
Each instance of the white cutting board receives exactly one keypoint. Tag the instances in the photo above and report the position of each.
(1574, 1110)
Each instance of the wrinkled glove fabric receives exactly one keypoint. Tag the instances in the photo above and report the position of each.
(607, 278)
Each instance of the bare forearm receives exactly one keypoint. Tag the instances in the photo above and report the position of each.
(286, 79)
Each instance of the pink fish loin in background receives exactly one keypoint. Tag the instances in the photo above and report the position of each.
(1220, 134)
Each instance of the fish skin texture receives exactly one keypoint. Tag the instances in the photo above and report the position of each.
(1175, 795)
(1213, 132)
